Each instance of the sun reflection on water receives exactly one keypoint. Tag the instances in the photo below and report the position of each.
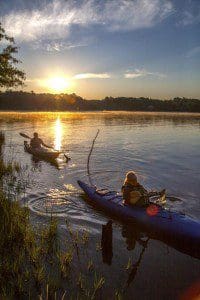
(58, 134)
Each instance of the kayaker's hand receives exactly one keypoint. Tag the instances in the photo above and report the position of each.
(48, 146)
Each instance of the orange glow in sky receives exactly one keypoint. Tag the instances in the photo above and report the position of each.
(56, 84)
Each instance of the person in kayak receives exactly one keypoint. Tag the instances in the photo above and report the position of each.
(133, 192)
(37, 143)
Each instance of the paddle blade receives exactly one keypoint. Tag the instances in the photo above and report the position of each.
(24, 135)
(159, 199)
(162, 199)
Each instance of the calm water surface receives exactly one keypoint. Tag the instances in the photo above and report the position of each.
(162, 148)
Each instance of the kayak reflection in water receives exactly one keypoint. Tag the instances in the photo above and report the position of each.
(133, 236)
(37, 143)
(134, 193)
(36, 162)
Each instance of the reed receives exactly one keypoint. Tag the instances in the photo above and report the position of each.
(33, 264)
(2, 138)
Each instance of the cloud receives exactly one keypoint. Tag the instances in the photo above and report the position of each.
(54, 20)
(92, 76)
(129, 75)
(131, 15)
(40, 81)
(193, 52)
(57, 46)
(190, 16)
(142, 73)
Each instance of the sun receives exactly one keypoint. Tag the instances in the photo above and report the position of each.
(57, 84)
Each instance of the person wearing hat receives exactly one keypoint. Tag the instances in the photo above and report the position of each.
(133, 192)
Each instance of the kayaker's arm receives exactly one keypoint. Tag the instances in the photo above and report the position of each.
(47, 146)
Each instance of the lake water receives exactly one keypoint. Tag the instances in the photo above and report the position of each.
(162, 148)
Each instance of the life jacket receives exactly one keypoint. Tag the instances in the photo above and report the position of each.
(36, 143)
(133, 193)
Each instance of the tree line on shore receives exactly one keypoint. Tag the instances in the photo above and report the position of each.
(12, 77)
(30, 101)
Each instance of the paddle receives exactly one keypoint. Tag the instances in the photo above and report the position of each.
(136, 265)
(28, 137)
(25, 135)
(160, 198)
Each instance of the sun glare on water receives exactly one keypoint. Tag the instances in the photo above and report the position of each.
(57, 84)
(58, 134)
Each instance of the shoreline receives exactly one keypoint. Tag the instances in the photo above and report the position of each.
(102, 111)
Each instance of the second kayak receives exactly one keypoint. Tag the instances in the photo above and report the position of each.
(41, 152)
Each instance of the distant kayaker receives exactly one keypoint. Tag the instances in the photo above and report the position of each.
(36, 142)
(134, 193)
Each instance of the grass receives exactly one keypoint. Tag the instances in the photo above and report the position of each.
(33, 265)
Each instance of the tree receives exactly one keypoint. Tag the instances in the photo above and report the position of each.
(10, 75)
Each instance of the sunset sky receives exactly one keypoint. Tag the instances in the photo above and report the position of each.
(99, 48)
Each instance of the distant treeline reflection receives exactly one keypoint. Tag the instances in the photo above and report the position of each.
(71, 102)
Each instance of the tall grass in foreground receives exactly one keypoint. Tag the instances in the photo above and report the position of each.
(32, 264)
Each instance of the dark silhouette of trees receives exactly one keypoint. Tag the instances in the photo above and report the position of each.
(31, 101)
(10, 75)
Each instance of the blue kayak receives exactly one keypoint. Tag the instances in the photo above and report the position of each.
(174, 228)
